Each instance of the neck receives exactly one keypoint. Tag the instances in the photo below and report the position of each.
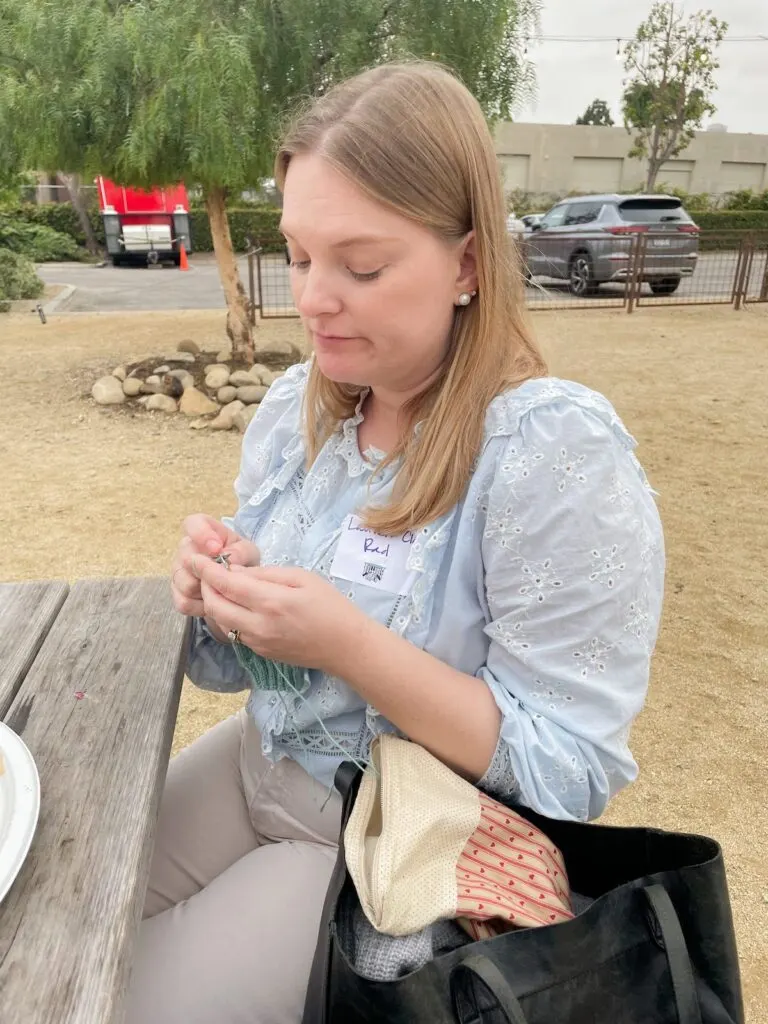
(389, 402)
(383, 425)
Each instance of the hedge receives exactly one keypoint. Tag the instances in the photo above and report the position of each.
(260, 224)
(58, 216)
(37, 242)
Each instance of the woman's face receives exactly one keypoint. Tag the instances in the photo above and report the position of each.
(376, 290)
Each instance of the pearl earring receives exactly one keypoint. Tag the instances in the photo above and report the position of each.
(464, 299)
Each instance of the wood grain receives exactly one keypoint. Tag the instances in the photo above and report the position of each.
(27, 611)
(68, 925)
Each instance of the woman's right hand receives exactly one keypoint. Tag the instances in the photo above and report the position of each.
(204, 535)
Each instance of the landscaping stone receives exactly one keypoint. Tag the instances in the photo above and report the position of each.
(120, 372)
(188, 346)
(251, 393)
(260, 374)
(226, 418)
(244, 417)
(217, 377)
(186, 378)
(195, 403)
(132, 387)
(179, 357)
(162, 403)
(108, 391)
(226, 394)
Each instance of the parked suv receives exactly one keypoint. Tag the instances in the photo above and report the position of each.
(587, 241)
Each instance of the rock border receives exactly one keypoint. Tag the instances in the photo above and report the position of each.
(211, 390)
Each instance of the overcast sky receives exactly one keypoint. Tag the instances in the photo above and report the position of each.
(571, 75)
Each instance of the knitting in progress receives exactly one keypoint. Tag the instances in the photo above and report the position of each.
(279, 677)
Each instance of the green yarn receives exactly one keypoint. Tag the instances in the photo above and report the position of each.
(271, 675)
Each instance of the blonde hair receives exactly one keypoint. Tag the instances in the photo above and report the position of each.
(413, 138)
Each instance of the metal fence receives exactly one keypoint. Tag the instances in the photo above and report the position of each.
(594, 271)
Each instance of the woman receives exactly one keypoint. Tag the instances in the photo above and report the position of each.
(431, 536)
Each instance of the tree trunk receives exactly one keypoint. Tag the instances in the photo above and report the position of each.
(238, 325)
(73, 187)
(653, 173)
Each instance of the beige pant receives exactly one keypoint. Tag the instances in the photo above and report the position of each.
(243, 856)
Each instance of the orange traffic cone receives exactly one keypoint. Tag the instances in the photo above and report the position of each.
(183, 261)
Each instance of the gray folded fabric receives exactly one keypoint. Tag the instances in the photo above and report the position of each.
(380, 957)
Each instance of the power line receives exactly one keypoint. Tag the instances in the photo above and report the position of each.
(629, 39)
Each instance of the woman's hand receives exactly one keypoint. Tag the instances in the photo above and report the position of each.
(288, 615)
(204, 535)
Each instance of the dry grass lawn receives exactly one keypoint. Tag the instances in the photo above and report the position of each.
(89, 491)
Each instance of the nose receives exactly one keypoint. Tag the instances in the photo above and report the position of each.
(314, 294)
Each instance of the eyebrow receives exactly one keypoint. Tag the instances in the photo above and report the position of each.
(347, 243)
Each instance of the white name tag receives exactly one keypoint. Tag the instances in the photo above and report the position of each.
(372, 559)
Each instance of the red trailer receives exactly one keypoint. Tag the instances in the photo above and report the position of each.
(148, 225)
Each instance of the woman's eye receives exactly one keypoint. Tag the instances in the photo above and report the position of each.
(365, 277)
(299, 264)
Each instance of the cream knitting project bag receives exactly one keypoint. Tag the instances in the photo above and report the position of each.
(423, 844)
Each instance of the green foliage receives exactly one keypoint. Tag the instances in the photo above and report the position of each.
(37, 242)
(671, 67)
(149, 93)
(740, 210)
(257, 223)
(746, 199)
(597, 113)
(18, 279)
(733, 220)
(57, 216)
(13, 183)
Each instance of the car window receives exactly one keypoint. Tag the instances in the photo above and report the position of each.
(582, 213)
(652, 211)
(555, 217)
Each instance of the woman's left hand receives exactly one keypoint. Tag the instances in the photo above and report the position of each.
(288, 615)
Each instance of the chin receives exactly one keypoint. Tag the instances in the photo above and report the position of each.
(341, 370)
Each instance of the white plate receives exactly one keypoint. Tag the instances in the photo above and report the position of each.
(19, 805)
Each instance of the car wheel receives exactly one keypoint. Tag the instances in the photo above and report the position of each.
(117, 261)
(666, 286)
(581, 279)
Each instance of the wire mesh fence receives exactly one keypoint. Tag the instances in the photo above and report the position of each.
(624, 269)
(755, 274)
(717, 266)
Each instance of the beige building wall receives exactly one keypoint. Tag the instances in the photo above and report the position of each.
(544, 158)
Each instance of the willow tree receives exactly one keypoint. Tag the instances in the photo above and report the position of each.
(156, 91)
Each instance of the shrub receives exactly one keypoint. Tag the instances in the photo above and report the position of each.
(38, 243)
(59, 217)
(746, 199)
(257, 222)
(18, 279)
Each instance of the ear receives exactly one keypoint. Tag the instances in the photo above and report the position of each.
(466, 280)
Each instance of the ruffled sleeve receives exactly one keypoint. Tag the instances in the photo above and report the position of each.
(272, 447)
(574, 568)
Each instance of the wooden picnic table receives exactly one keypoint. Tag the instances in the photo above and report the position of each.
(90, 678)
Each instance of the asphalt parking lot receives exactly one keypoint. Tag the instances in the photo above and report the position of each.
(118, 289)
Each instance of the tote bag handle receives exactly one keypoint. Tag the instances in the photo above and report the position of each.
(490, 975)
(672, 939)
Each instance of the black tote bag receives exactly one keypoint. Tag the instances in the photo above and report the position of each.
(655, 947)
